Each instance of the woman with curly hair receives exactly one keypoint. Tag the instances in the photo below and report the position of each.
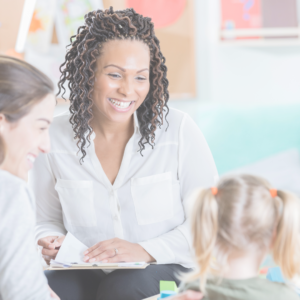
(121, 165)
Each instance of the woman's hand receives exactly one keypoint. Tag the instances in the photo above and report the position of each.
(51, 245)
(117, 250)
(188, 295)
(52, 294)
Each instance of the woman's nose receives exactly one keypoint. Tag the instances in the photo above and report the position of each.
(127, 88)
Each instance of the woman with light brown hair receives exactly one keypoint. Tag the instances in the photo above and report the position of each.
(234, 226)
(26, 110)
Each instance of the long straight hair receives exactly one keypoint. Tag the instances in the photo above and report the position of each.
(244, 216)
(21, 87)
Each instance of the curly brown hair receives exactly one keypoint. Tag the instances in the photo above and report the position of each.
(79, 70)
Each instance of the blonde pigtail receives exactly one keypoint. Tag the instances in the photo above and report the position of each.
(204, 222)
(287, 240)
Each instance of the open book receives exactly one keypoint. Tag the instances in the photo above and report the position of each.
(70, 255)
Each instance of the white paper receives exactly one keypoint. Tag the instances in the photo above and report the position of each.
(71, 254)
(57, 264)
(71, 250)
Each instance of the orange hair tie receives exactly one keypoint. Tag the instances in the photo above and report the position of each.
(273, 193)
(214, 191)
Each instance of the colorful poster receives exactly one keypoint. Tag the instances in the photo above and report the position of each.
(162, 12)
(41, 26)
(280, 13)
(70, 15)
(241, 14)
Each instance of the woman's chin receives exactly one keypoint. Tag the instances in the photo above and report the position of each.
(29, 165)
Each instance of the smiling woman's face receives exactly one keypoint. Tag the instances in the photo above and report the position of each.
(28, 137)
(122, 80)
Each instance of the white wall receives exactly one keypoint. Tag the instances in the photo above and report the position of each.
(255, 75)
(232, 74)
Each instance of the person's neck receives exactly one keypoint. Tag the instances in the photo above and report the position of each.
(243, 266)
(11, 168)
(109, 130)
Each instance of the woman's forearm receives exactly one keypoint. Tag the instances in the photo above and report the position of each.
(171, 247)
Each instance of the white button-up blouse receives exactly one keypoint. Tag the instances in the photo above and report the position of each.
(146, 203)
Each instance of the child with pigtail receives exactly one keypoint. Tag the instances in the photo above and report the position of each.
(234, 226)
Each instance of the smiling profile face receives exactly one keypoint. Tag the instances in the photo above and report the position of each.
(28, 137)
(122, 80)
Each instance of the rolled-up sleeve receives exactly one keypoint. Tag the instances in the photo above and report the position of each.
(48, 207)
(196, 168)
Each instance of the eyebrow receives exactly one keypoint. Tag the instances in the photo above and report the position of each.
(146, 69)
(46, 120)
(111, 65)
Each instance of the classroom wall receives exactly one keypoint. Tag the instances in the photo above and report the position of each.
(238, 75)
(233, 74)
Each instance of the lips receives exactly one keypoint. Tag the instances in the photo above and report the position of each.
(120, 104)
(31, 158)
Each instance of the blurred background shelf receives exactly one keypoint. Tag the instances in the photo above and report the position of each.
(288, 42)
(261, 37)
(260, 32)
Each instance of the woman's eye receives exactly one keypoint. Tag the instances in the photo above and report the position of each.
(114, 75)
(141, 78)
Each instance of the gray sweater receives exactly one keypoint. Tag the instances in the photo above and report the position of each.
(21, 274)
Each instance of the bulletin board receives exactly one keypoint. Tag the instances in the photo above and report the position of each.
(174, 27)
(245, 14)
(259, 14)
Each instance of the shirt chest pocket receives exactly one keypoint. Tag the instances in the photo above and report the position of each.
(77, 201)
(152, 197)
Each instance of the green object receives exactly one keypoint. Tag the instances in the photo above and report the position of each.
(167, 286)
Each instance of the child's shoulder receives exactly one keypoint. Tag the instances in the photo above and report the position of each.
(259, 288)
(254, 288)
(279, 290)
(190, 285)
